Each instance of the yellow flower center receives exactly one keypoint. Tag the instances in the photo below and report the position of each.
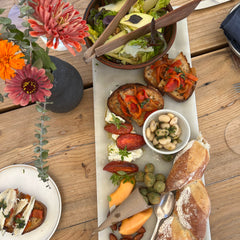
(29, 86)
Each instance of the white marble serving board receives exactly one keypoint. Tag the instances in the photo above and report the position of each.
(105, 80)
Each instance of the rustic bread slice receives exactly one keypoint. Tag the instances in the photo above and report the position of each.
(130, 90)
(34, 222)
(150, 78)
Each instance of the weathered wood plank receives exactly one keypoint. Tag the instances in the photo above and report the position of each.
(224, 218)
(217, 105)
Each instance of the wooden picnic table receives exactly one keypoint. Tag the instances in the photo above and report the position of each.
(72, 142)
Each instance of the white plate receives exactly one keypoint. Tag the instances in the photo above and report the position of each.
(25, 179)
(105, 80)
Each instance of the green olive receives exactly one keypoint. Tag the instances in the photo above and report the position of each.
(143, 191)
(149, 179)
(160, 177)
(146, 199)
(149, 168)
(159, 186)
(154, 198)
(139, 176)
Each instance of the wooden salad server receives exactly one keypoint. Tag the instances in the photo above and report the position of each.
(90, 52)
(166, 20)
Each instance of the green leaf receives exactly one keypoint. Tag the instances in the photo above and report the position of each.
(26, 24)
(2, 10)
(38, 125)
(40, 109)
(5, 21)
(44, 142)
(45, 118)
(109, 198)
(44, 130)
(49, 75)
(26, 10)
(39, 52)
(1, 98)
(38, 63)
(37, 149)
(44, 155)
(38, 136)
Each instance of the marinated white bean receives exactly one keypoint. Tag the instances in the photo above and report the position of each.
(165, 132)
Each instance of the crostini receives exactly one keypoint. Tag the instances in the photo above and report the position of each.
(20, 213)
(134, 102)
(174, 77)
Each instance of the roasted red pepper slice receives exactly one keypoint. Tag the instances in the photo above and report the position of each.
(130, 141)
(123, 128)
(123, 106)
(37, 213)
(177, 63)
(116, 166)
(141, 95)
(171, 85)
(133, 106)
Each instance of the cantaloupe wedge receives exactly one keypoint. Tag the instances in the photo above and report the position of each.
(134, 223)
(122, 192)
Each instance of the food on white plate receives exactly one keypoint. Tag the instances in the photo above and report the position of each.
(190, 215)
(142, 12)
(174, 77)
(164, 132)
(20, 213)
(134, 102)
(189, 164)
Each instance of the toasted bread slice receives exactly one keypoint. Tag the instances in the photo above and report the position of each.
(150, 78)
(155, 101)
(26, 206)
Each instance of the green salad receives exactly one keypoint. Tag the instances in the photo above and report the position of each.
(141, 13)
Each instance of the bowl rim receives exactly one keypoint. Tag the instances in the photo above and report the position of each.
(107, 62)
(181, 146)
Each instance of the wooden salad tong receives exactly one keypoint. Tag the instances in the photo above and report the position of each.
(99, 48)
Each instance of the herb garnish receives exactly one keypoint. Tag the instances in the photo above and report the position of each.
(144, 102)
(117, 122)
(116, 178)
(3, 205)
(20, 223)
(123, 153)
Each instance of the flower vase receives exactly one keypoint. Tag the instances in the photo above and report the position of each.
(67, 88)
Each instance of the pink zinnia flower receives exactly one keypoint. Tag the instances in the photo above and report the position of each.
(58, 20)
(29, 84)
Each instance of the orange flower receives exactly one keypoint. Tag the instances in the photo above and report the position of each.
(10, 59)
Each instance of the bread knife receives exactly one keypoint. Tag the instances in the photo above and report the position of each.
(209, 3)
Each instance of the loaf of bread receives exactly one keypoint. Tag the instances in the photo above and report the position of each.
(189, 164)
(133, 102)
(190, 215)
(20, 213)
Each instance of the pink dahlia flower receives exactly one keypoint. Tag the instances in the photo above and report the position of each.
(29, 84)
(58, 20)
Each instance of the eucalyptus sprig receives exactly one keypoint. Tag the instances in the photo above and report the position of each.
(41, 160)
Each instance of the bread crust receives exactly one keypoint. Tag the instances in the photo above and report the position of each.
(129, 89)
(189, 165)
(193, 208)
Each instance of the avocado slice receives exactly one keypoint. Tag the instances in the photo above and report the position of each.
(120, 34)
(136, 20)
(113, 6)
